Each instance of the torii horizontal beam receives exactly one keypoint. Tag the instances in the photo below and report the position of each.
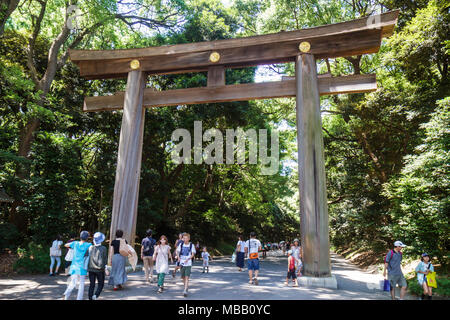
(354, 37)
(238, 92)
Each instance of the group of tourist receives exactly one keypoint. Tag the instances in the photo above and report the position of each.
(84, 258)
(251, 249)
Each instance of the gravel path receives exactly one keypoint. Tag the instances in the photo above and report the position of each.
(223, 282)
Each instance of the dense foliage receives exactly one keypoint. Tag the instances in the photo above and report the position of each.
(386, 152)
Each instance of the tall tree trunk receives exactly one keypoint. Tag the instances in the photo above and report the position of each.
(6, 9)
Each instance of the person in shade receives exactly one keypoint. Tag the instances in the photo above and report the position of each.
(147, 250)
(69, 256)
(118, 275)
(177, 258)
(392, 264)
(55, 255)
(98, 258)
(422, 270)
(78, 268)
(240, 253)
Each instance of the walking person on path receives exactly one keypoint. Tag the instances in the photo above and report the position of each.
(264, 250)
(176, 245)
(98, 258)
(147, 249)
(118, 272)
(392, 264)
(55, 255)
(422, 270)
(252, 247)
(240, 253)
(161, 256)
(186, 252)
(78, 268)
(69, 256)
(205, 257)
(197, 251)
(291, 269)
(297, 254)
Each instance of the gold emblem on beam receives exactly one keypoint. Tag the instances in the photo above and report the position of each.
(134, 64)
(305, 46)
(214, 57)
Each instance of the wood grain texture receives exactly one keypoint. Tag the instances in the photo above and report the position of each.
(311, 168)
(385, 22)
(126, 187)
(239, 92)
(216, 76)
(343, 39)
(346, 44)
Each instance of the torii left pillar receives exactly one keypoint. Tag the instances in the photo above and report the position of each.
(126, 187)
(312, 185)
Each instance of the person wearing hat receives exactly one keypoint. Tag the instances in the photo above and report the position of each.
(422, 269)
(78, 269)
(98, 258)
(392, 264)
(291, 269)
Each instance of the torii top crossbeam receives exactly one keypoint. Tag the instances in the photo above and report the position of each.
(334, 40)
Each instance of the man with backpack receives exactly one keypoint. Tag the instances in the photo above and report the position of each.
(98, 258)
(147, 250)
(392, 263)
(186, 252)
(252, 247)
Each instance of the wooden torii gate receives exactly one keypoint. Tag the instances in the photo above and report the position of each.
(303, 47)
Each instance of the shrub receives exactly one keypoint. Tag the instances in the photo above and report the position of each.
(9, 236)
(34, 259)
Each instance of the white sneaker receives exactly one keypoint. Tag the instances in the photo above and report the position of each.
(94, 297)
(185, 293)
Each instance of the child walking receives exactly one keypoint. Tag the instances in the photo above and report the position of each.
(205, 256)
(78, 268)
(291, 269)
(422, 270)
(98, 258)
(161, 256)
(186, 252)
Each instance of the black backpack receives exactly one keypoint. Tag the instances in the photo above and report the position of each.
(148, 245)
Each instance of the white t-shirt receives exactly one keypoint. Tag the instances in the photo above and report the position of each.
(242, 243)
(252, 245)
(56, 248)
(205, 256)
(184, 259)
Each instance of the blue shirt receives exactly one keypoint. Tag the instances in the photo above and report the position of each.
(79, 250)
(422, 266)
(394, 262)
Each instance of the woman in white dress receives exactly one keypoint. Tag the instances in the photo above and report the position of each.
(161, 256)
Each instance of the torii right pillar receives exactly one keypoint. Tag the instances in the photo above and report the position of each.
(312, 185)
